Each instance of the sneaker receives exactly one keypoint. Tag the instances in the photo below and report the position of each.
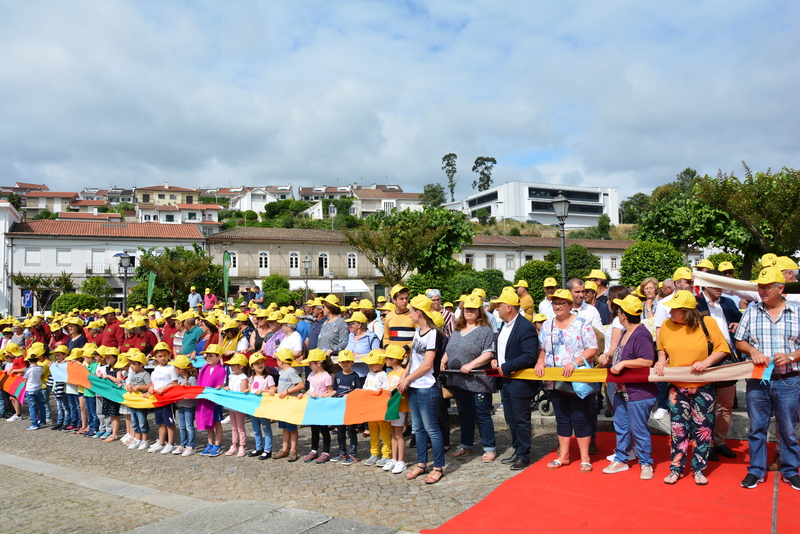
(143, 445)
(350, 460)
(178, 450)
(215, 451)
(616, 467)
(388, 466)
(324, 457)
(205, 451)
(168, 449)
(69, 428)
(310, 457)
(661, 413)
(266, 455)
(371, 460)
(188, 451)
(647, 472)
(242, 452)
(226, 421)
(382, 462)
(90, 434)
(14, 418)
(793, 481)
(33, 427)
(126, 438)
(339, 458)
(99, 435)
(398, 468)
(232, 450)
(751, 481)
(134, 444)
(156, 447)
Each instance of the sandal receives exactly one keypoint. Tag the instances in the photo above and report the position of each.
(700, 479)
(489, 456)
(555, 464)
(673, 478)
(586, 467)
(432, 478)
(417, 471)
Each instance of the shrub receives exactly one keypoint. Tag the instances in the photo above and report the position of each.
(579, 260)
(274, 282)
(534, 272)
(648, 258)
(735, 259)
(282, 297)
(97, 286)
(161, 299)
(68, 301)
(514, 232)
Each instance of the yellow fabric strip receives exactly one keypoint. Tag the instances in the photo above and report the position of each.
(290, 409)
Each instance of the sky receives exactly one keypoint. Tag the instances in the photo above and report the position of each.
(617, 93)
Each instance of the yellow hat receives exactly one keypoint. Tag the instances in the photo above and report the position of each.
(539, 318)
(395, 352)
(36, 350)
(682, 299)
(365, 304)
(275, 316)
(213, 349)
(107, 310)
(242, 317)
(8, 330)
(638, 292)
(448, 305)
(317, 302)
(192, 288)
(561, 294)
(381, 299)
(397, 289)
(137, 356)
(472, 302)
(389, 307)
(181, 362)
(768, 259)
(549, 282)
(122, 361)
(13, 348)
(706, 264)
(285, 355)
(508, 296)
(110, 351)
(168, 312)
(785, 263)
(229, 325)
(75, 354)
(139, 323)
(333, 300)
(630, 305)
(682, 273)
(357, 317)
(161, 345)
(263, 313)
(375, 357)
(590, 286)
(256, 357)
(770, 275)
(346, 356)
(597, 273)
(521, 283)
(725, 266)
(316, 355)
(299, 313)
(288, 319)
(211, 319)
(208, 290)
(480, 292)
(54, 327)
(422, 303)
(238, 359)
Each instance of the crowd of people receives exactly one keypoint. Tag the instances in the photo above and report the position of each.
(432, 352)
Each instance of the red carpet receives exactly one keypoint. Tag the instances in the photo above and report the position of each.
(565, 500)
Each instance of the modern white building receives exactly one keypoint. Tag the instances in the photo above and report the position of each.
(531, 201)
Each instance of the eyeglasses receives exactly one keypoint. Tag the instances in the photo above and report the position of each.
(560, 304)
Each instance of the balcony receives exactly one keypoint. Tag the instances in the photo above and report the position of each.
(107, 269)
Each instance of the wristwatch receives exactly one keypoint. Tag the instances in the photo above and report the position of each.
(791, 358)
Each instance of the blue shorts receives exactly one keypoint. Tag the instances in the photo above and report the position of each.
(165, 415)
(287, 426)
(218, 413)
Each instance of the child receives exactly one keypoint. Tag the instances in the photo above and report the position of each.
(376, 380)
(114, 363)
(237, 381)
(320, 385)
(62, 418)
(187, 376)
(162, 378)
(124, 409)
(394, 359)
(138, 380)
(73, 397)
(208, 414)
(89, 352)
(261, 382)
(289, 383)
(346, 381)
(33, 392)
(104, 429)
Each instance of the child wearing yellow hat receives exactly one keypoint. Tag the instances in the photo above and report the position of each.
(138, 381)
(289, 383)
(209, 414)
(163, 377)
(320, 384)
(110, 408)
(237, 381)
(345, 382)
(62, 418)
(376, 380)
(261, 382)
(394, 358)
(187, 376)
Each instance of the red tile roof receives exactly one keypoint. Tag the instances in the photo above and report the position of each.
(51, 194)
(547, 242)
(165, 188)
(51, 227)
(199, 206)
(88, 216)
(23, 185)
(89, 203)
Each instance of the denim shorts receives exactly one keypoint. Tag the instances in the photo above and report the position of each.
(287, 426)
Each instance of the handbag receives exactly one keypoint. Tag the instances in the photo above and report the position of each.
(584, 389)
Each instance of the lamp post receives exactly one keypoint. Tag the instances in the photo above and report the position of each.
(306, 266)
(124, 265)
(331, 276)
(561, 209)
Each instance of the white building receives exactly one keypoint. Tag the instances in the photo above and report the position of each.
(369, 200)
(204, 216)
(8, 217)
(530, 201)
(252, 198)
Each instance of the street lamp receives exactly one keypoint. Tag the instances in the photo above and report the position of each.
(306, 266)
(331, 276)
(561, 209)
(125, 260)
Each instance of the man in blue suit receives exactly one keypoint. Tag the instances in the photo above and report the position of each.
(517, 348)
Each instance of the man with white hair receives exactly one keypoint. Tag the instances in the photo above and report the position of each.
(436, 305)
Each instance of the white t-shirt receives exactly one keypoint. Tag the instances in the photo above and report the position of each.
(235, 381)
(662, 311)
(590, 313)
(293, 342)
(502, 340)
(419, 347)
(163, 375)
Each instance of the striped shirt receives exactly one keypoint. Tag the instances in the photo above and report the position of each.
(771, 337)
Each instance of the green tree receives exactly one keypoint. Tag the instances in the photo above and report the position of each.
(633, 207)
(604, 225)
(138, 297)
(15, 200)
(283, 297)
(122, 207)
(735, 259)
(177, 269)
(579, 260)
(482, 215)
(69, 301)
(534, 272)
(97, 286)
(404, 240)
(419, 283)
(483, 166)
(449, 168)
(45, 288)
(601, 231)
(649, 258)
(274, 282)
(44, 214)
(432, 196)
(514, 231)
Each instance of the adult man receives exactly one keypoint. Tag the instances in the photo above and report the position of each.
(246, 295)
(666, 288)
(517, 348)
(398, 328)
(599, 277)
(579, 305)
(788, 269)
(727, 315)
(113, 335)
(194, 298)
(769, 333)
(316, 319)
(550, 285)
(436, 305)
(704, 266)
(170, 327)
(209, 300)
(525, 299)
(258, 296)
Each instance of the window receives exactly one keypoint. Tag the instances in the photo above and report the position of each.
(145, 198)
(351, 260)
(352, 210)
(63, 257)
(189, 199)
(332, 210)
(259, 198)
(484, 199)
(161, 196)
(170, 218)
(283, 197)
(294, 264)
(234, 259)
(490, 261)
(528, 257)
(146, 217)
(509, 262)
(323, 263)
(469, 259)
(155, 217)
(614, 262)
(192, 216)
(263, 260)
(172, 197)
(33, 256)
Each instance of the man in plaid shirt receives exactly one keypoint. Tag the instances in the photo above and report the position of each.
(770, 333)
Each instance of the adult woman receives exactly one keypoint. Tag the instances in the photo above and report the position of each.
(471, 346)
(19, 336)
(77, 339)
(649, 288)
(232, 340)
(292, 339)
(361, 340)
(422, 389)
(57, 336)
(565, 341)
(633, 401)
(209, 337)
(374, 324)
(333, 334)
(682, 342)
(261, 331)
(276, 335)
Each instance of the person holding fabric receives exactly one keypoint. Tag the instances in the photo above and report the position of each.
(633, 400)
(231, 340)
(292, 339)
(683, 342)
(271, 343)
(471, 347)
(566, 341)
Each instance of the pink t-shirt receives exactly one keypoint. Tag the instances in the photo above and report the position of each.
(319, 383)
(261, 382)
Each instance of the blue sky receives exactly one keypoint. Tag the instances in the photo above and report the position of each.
(617, 94)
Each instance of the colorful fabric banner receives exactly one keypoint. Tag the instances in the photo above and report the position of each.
(13, 385)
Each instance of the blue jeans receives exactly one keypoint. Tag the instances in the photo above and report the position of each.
(343, 433)
(63, 411)
(424, 404)
(663, 395)
(91, 412)
(630, 422)
(471, 407)
(139, 422)
(262, 430)
(782, 397)
(186, 425)
(35, 400)
(46, 393)
(74, 408)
